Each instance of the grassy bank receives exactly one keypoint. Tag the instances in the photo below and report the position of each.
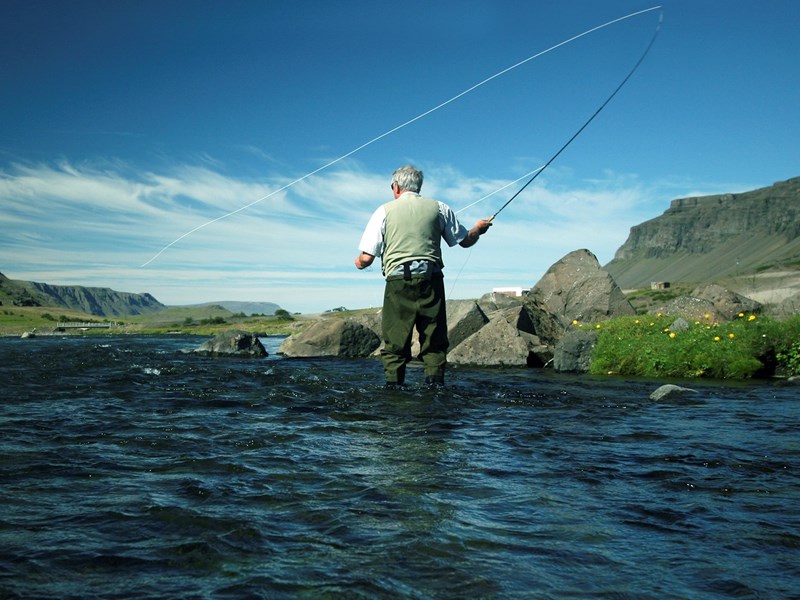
(16, 320)
(661, 346)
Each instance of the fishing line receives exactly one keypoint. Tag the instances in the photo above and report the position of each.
(397, 128)
(539, 171)
(478, 201)
(500, 189)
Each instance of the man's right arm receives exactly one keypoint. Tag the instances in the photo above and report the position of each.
(371, 243)
(364, 260)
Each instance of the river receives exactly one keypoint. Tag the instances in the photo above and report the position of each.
(133, 469)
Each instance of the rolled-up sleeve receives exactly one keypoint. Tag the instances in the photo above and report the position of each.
(372, 239)
(453, 232)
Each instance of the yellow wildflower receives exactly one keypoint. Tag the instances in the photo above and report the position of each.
(741, 315)
(730, 335)
(716, 338)
(672, 334)
(751, 318)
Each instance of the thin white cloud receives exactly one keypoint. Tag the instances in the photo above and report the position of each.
(85, 225)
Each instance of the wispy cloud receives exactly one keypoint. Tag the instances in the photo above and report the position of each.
(95, 224)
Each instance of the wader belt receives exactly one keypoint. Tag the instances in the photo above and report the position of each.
(422, 269)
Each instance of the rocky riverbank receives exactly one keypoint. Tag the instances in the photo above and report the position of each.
(537, 330)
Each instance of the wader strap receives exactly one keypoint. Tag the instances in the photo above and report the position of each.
(407, 271)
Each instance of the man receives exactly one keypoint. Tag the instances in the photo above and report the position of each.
(406, 233)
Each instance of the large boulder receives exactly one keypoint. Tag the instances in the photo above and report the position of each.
(694, 309)
(727, 303)
(498, 343)
(710, 303)
(573, 353)
(543, 323)
(343, 337)
(464, 317)
(234, 343)
(370, 319)
(578, 288)
(493, 301)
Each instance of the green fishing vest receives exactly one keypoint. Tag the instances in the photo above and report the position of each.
(412, 231)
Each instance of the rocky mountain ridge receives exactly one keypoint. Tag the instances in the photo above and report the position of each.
(706, 239)
(237, 306)
(100, 302)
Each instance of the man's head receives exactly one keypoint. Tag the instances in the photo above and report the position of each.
(408, 179)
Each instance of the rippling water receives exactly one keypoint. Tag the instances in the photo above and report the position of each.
(132, 470)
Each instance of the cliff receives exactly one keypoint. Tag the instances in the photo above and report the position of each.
(706, 239)
(101, 302)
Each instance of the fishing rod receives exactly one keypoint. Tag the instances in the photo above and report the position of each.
(589, 120)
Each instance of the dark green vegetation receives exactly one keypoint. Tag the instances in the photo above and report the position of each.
(650, 346)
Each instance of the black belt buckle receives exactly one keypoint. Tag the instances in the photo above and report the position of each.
(407, 271)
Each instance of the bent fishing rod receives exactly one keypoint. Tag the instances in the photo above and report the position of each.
(589, 120)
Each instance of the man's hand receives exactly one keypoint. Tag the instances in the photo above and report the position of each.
(480, 228)
(363, 260)
(483, 225)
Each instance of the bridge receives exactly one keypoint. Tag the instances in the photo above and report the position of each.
(77, 325)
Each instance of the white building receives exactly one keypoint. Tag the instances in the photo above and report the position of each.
(514, 292)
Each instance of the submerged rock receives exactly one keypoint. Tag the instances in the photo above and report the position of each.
(670, 392)
(234, 343)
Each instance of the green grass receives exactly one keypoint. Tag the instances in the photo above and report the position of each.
(15, 320)
(646, 346)
(645, 298)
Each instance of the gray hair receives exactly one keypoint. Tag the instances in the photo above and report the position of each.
(408, 178)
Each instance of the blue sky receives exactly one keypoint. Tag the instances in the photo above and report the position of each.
(125, 125)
